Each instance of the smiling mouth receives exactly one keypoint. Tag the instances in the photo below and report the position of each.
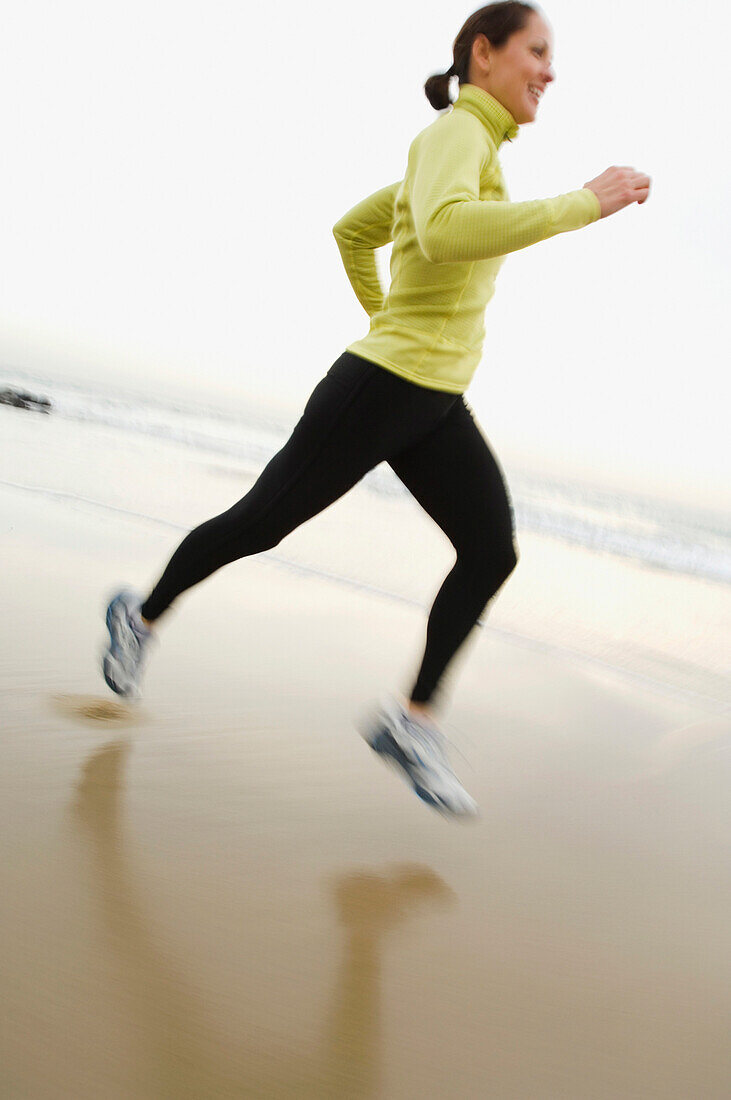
(535, 92)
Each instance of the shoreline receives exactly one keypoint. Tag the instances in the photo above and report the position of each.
(648, 624)
(711, 703)
(681, 539)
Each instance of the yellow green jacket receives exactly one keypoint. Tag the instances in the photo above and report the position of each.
(451, 223)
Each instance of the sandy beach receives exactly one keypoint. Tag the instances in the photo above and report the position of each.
(219, 892)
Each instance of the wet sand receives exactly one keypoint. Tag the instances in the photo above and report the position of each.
(220, 893)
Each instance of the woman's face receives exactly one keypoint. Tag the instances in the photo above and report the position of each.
(518, 73)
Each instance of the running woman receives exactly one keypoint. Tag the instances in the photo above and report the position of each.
(397, 394)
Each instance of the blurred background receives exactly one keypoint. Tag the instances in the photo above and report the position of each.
(172, 173)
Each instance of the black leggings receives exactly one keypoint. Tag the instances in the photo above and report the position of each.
(359, 415)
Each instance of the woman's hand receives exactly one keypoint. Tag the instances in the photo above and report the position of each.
(618, 187)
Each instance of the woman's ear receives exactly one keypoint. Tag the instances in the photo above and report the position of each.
(481, 54)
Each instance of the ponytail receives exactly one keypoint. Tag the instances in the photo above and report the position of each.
(437, 90)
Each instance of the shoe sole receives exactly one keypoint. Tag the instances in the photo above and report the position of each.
(112, 667)
(390, 752)
(111, 671)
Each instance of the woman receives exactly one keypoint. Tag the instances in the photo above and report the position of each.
(397, 394)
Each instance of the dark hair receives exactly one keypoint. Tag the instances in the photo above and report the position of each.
(497, 22)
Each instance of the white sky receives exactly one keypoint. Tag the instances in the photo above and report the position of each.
(172, 170)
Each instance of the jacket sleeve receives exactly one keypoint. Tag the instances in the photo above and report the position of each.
(454, 224)
(366, 227)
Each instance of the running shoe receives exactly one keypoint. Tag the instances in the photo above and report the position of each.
(129, 638)
(416, 749)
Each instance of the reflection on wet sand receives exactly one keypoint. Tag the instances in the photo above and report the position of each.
(178, 1051)
(369, 906)
(167, 1015)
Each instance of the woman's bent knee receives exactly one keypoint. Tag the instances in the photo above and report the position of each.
(502, 565)
(513, 559)
(491, 567)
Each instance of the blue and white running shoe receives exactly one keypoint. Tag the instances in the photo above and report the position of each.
(416, 749)
(129, 638)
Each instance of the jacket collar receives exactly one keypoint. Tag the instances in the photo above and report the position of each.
(496, 119)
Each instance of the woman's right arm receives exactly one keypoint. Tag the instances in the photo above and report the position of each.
(454, 224)
(359, 233)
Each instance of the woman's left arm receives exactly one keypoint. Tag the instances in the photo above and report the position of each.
(454, 225)
(366, 227)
